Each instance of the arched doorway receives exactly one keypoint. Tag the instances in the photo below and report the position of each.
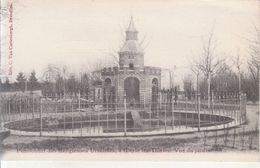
(131, 86)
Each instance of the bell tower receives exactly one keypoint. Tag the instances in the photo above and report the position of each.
(131, 55)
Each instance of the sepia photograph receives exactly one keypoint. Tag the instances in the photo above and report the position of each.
(157, 79)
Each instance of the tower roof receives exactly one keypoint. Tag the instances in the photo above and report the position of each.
(131, 27)
(131, 44)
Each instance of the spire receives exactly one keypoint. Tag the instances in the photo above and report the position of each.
(131, 32)
(131, 26)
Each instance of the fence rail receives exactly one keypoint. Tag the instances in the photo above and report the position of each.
(76, 116)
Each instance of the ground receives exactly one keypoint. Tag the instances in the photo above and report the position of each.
(238, 139)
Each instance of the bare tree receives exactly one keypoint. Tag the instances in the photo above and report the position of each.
(254, 62)
(115, 58)
(50, 73)
(65, 72)
(196, 71)
(33, 81)
(208, 62)
(188, 86)
(49, 77)
(238, 63)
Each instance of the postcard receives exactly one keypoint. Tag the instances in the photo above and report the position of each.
(96, 80)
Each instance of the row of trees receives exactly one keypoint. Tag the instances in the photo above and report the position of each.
(60, 81)
(55, 81)
(215, 74)
(226, 81)
(68, 86)
(21, 83)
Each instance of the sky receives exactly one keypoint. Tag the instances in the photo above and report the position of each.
(81, 33)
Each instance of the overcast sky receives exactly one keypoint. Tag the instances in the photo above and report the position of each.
(80, 32)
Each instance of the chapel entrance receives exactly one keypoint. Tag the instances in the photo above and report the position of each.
(131, 87)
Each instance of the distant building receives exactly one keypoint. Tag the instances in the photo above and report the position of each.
(139, 83)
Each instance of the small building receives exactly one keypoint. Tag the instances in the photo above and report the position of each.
(139, 83)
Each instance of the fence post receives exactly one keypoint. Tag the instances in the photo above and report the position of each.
(20, 108)
(250, 139)
(205, 139)
(72, 117)
(245, 100)
(64, 117)
(9, 110)
(144, 101)
(90, 120)
(107, 99)
(79, 102)
(186, 105)
(243, 136)
(33, 107)
(234, 138)
(165, 117)
(98, 120)
(1, 116)
(198, 112)
(226, 135)
(213, 106)
(116, 119)
(107, 120)
(125, 115)
(56, 111)
(240, 109)
(80, 115)
(26, 108)
(172, 101)
(216, 138)
(6, 110)
(150, 116)
(158, 114)
(2, 112)
(3, 109)
(160, 99)
(186, 117)
(40, 116)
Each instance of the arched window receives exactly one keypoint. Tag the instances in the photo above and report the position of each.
(131, 66)
(107, 81)
(155, 82)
